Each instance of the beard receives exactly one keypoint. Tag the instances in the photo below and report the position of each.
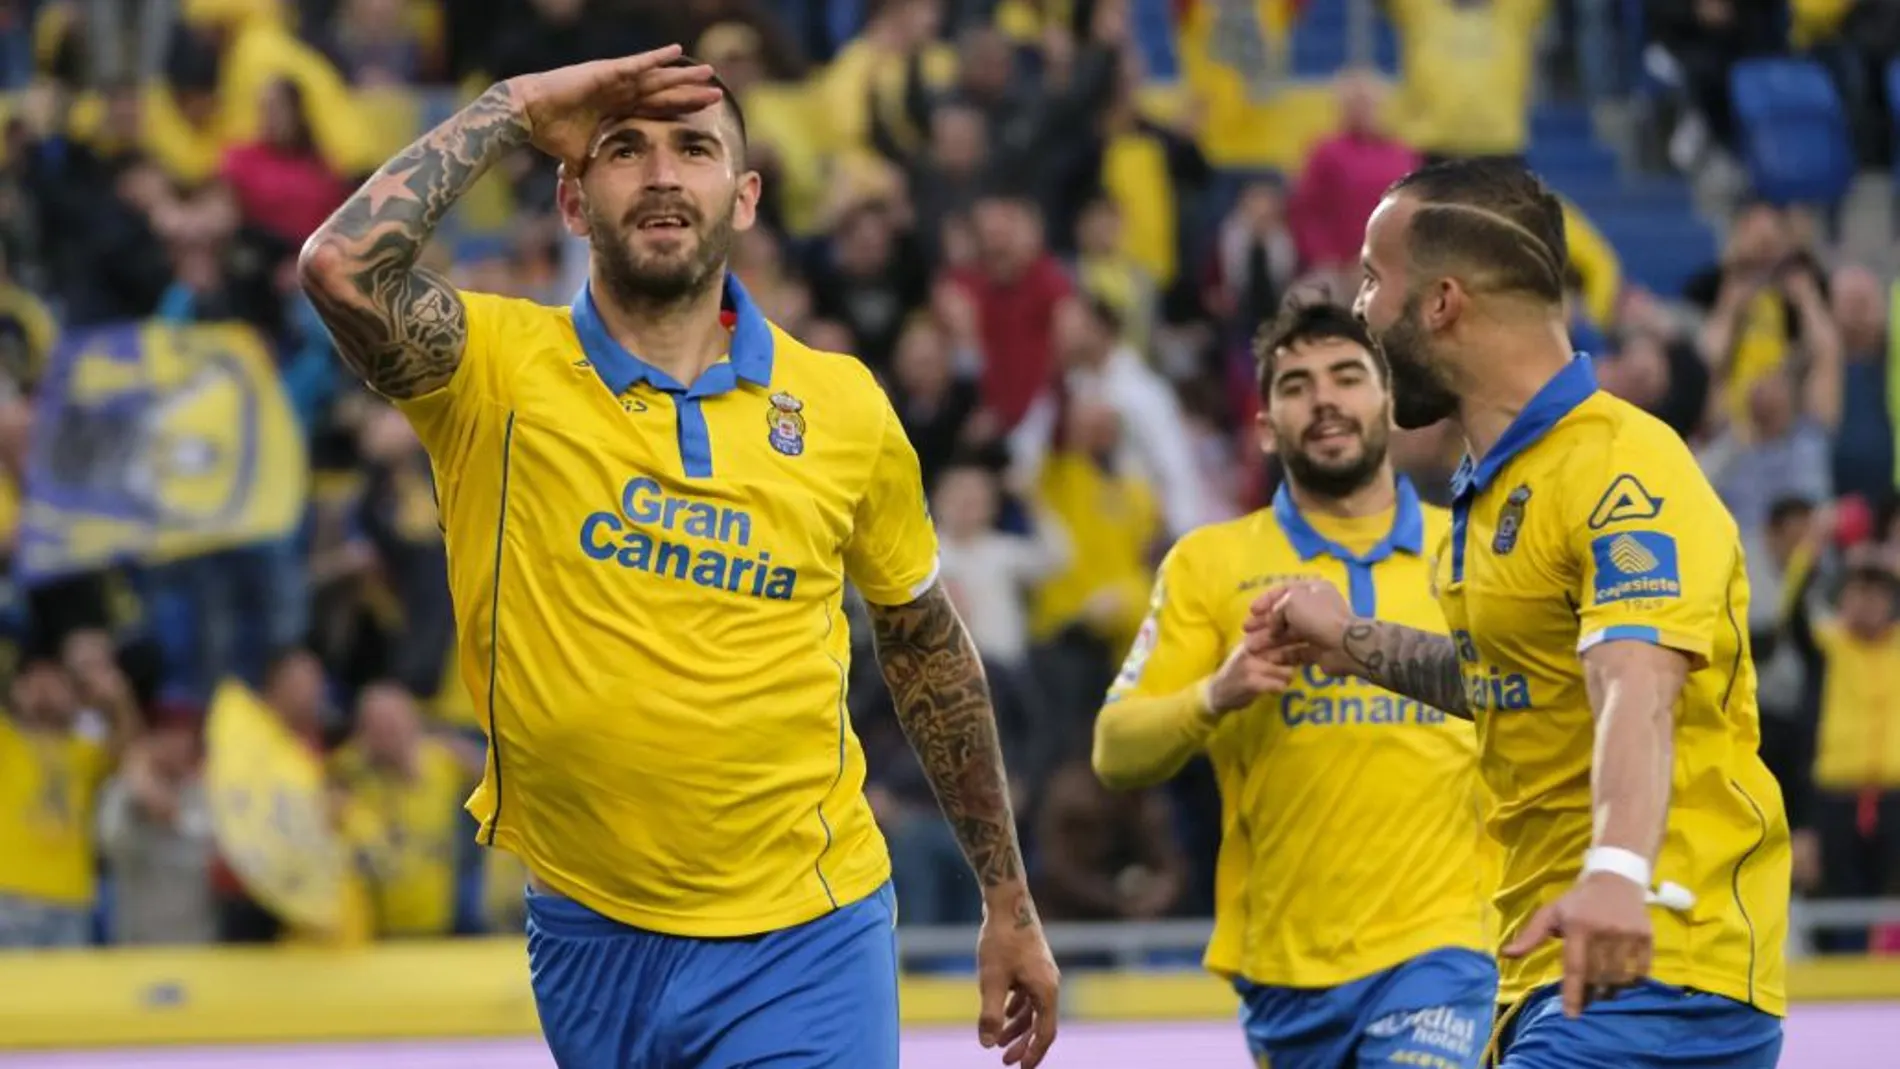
(1335, 478)
(1420, 397)
(636, 279)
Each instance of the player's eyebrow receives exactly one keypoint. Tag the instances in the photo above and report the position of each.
(689, 136)
(1348, 363)
(1292, 376)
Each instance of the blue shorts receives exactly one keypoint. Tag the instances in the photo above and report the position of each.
(822, 995)
(1651, 1026)
(1431, 1012)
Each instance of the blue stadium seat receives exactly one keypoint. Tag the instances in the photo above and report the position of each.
(1794, 131)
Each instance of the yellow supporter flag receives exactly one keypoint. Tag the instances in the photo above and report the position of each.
(155, 442)
(270, 813)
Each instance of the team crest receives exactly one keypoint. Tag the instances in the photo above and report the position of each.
(787, 423)
(1510, 521)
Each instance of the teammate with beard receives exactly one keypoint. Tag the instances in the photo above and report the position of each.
(1351, 889)
(648, 556)
(1594, 585)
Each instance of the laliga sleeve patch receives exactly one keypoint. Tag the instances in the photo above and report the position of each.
(1634, 565)
(1624, 502)
(1138, 654)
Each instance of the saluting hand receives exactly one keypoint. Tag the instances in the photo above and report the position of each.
(565, 107)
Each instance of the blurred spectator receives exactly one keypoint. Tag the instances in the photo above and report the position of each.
(403, 791)
(1018, 289)
(1256, 261)
(1345, 178)
(934, 401)
(399, 518)
(1697, 43)
(1782, 452)
(1108, 274)
(1105, 855)
(155, 835)
(53, 759)
(1086, 616)
(282, 185)
(869, 282)
(1864, 444)
(1857, 765)
(1468, 73)
(1759, 300)
(382, 42)
(1100, 365)
(990, 575)
(1655, 365)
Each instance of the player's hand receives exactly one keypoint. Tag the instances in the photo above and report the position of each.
(1017, 979)
(566, 106)
(1254, 668)
(1604, 924)
(1301, 623)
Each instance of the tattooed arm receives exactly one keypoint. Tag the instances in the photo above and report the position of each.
(943, 702)
(1311, 620)
(399, 326)
(1407, 661)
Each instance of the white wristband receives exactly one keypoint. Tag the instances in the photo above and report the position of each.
(1614, 859)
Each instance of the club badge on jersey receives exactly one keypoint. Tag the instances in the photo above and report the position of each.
(1510, 521)
(787, 423)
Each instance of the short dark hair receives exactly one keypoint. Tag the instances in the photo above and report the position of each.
(730, 98)
(1492, 218)
(1789, 508)
(1300, 324)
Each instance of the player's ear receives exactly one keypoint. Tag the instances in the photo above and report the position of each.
(745, 204)
(1445, 303)
(570, 200)
(1263, 426)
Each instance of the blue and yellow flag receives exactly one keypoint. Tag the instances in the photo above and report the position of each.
(270, 814)
(155, 442)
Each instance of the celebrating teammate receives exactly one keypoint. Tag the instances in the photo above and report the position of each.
(1351, 889)
(648, 556)
(1594, 586)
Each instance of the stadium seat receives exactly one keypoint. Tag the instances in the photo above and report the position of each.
(1794, 131)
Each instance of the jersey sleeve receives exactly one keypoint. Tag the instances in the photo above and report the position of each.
(1179, 642)
(447, 419)
(1655, 550)
(891, 555)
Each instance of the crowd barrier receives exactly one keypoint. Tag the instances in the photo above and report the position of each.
(124, 997)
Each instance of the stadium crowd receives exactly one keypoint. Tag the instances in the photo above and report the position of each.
(1055, 268)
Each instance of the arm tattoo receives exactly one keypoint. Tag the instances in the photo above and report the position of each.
(398, 326)
(943, 702)
(1416, 664)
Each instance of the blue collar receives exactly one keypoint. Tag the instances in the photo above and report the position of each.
(751, 350)
(1407, 534)
(1563, 393)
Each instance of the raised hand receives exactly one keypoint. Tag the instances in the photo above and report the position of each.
(566, 107)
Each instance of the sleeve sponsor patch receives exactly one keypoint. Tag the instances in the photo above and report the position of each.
(1635, 565)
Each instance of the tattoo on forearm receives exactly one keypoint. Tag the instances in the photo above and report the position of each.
(1416, 664)
(943, 702)
(401, 327)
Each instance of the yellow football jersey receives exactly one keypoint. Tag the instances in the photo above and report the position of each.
(1351, 822)
(48, 787)
(648, 580)
(1588, 522)
(403, 835)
